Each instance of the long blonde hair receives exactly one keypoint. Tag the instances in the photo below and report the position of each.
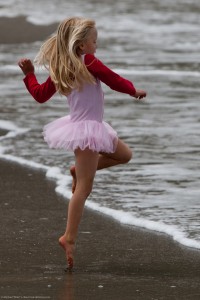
(60, 54)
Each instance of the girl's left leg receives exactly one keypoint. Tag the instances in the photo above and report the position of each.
(86, 166)
(122, 155)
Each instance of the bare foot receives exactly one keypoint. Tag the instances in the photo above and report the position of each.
(73, 173)
(69, 249)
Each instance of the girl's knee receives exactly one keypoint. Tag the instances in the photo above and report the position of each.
(85, 187)
(127, 156)
(87, 190)
(123, 153)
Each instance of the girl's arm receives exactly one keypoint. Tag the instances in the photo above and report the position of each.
(110, 78)
(40, 92)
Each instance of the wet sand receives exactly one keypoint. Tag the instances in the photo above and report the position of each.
(19, 30)
(112, 261)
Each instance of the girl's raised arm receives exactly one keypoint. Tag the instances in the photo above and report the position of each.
(40, 92)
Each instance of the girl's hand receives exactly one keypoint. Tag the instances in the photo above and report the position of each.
(140, 94)
(26, 66)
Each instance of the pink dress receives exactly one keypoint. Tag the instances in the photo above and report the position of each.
(84, 126)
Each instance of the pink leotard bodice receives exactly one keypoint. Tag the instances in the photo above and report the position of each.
(87, 104)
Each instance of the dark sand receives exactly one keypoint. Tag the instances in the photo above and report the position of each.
(112, 261)
(18, 30)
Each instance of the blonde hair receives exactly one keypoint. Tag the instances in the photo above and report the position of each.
(60, 54)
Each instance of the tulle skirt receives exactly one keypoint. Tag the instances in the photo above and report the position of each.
(62, 133)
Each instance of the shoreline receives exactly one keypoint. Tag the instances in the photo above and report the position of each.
(190, 244)
(111, 260)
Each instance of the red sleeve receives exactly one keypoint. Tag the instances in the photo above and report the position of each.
(40, 92)
(110, 78)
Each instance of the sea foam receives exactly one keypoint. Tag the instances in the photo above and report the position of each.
(62, 187)
(12, 129)
(157, 72)
(128, 219)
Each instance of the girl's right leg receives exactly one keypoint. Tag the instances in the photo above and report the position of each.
(122, 155)
(86, 166)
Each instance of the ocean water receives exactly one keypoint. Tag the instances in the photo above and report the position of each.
(154, 44)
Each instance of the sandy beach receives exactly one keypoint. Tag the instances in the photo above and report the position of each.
(111, 262)
(18, 30)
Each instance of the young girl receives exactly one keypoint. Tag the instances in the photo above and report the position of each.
(76, 73)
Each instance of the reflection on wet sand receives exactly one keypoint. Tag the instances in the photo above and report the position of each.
(67, 292)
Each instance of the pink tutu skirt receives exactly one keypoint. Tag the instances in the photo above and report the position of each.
(65, 134)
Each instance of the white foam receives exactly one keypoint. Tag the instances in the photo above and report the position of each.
(62, 187)
(128, 219)
(62, 181)
(12, 129)
(24, 162)
(11, 69)
(158, 72)
(7, 125)
(2, 149)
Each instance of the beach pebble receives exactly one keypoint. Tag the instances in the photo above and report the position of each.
(100, 286)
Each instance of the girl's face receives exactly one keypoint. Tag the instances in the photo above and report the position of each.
(90, 45)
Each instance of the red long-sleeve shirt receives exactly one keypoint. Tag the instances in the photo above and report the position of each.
(43, 92)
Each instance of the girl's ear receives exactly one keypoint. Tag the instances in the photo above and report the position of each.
(81, 46)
